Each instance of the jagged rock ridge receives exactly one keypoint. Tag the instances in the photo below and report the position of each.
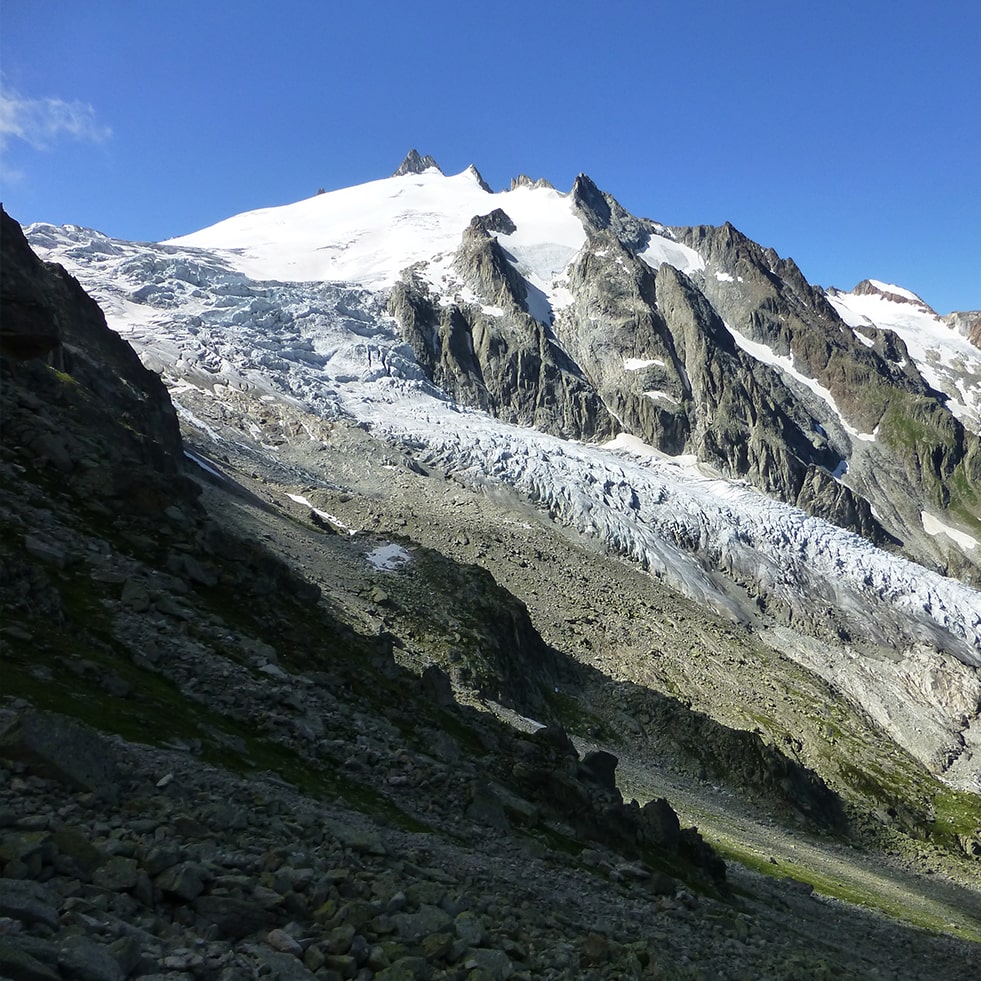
(416, 164)
(745, 365)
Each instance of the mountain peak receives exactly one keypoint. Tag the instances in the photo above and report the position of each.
(472, 170)
(416, 164)
(873, 287)
(523, 180)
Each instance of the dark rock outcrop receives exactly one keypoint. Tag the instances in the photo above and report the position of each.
(600, 211)
(911, 441)
(76, 398)
(62, 749)
(504, 361)
(415, 164)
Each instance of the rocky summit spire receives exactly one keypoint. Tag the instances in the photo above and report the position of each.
(414, 164)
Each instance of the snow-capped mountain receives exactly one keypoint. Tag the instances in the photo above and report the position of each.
(946, 359)
(682, 395)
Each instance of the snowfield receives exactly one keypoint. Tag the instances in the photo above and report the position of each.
(947, 361)
(369, 233)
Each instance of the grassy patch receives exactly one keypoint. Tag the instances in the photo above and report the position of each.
(575, 718)
(958, 814)
(860, 888)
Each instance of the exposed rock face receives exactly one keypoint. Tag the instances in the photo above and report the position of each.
(600, 211)
(696, 392)
(484, 186)
(867, 288)
(502, 359)
(523, 180)
(75, 393)
(415, 164)
(662, 353)
(910, 438)
(968, 322)
(29, 328)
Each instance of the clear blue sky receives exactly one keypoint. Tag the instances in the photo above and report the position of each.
(844, 134)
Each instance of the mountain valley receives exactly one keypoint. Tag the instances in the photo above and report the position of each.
(444, 562)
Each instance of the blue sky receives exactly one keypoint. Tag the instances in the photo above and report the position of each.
(846, 135)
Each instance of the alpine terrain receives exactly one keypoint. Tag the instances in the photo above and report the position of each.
(423, 581)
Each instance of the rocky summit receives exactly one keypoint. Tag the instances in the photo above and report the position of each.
(474, 585)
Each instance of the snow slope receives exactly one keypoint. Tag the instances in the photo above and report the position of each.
(369, 233)
(947, 361)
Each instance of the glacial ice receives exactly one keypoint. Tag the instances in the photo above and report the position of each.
(331, 348)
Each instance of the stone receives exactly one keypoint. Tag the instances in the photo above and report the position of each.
(280, 940)
(232, 917)
(342, 964)
(161, 857)
(436, 684)
(595, 949)
(283, 967)
(339, 939)
(58, 747)
(660, 824)
(409, 968)
(82, 959)
(600, 767)
(18, 965)
(184, 881)
(362, 841)
(27, 901)
(437, 946)
(412, 927)
(495, 964)
(470, 929)
(26, 851)
(116, 873)
(485, 807)
(135, 595)
(47, 553)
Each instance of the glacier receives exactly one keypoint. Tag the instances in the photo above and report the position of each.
(289, 303)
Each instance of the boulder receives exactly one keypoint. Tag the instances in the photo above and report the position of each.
(60, 748)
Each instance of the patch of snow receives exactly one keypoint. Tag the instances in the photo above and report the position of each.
(661, 249)
(198, 423)
(203, 464)
(637, 364)
(369, 233)
(323, 515)
(724, 277)
(785, 363)
(388, 558)
(663, 397)
(896, 290)
(945, 358)
(934, 526)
